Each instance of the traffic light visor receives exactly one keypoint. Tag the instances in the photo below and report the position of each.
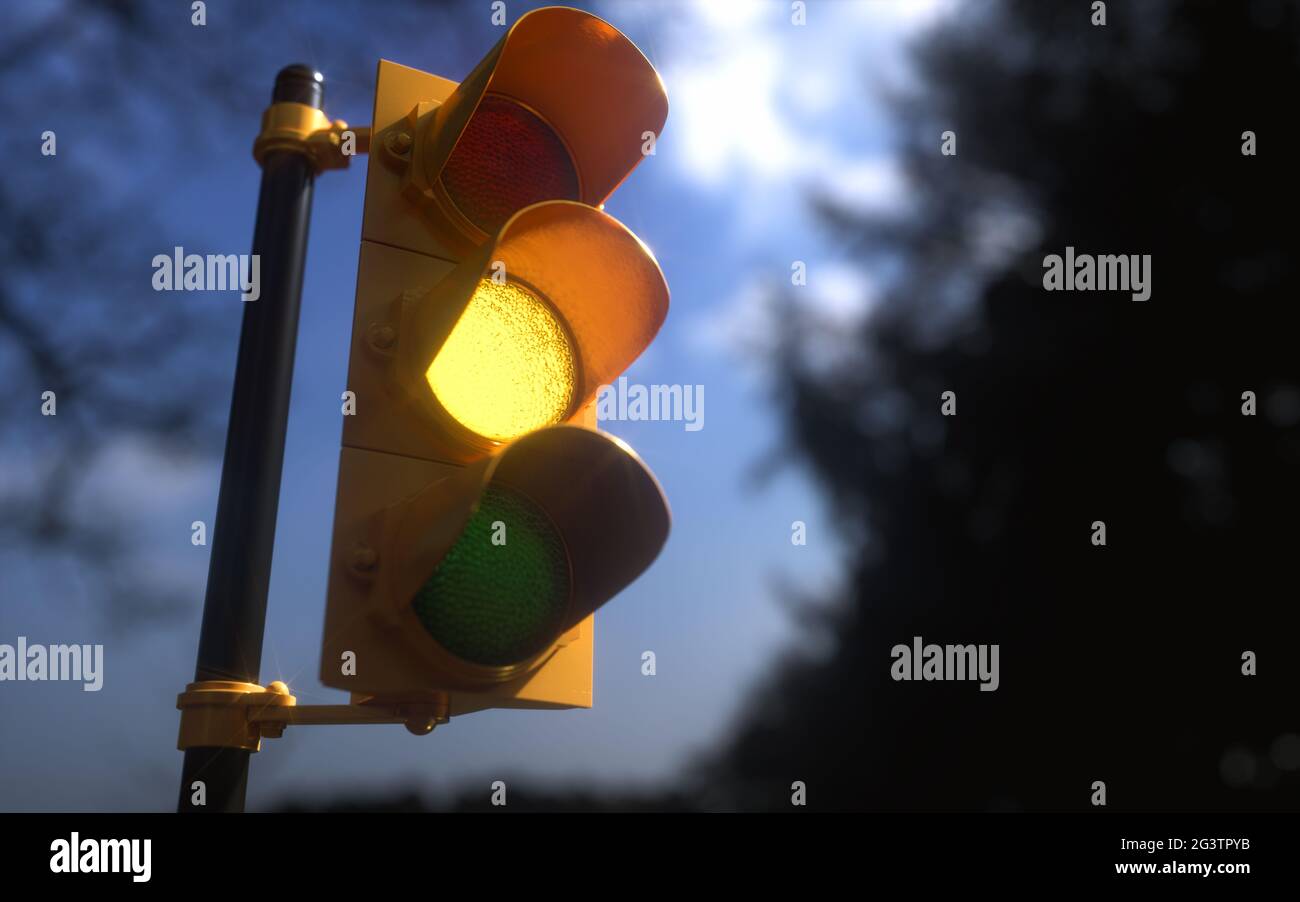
(524, 333)
(504, 557)
(563, 108)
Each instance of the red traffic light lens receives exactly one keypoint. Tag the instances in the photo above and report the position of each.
(507, 158)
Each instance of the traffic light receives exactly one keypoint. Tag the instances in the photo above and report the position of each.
(481, 518)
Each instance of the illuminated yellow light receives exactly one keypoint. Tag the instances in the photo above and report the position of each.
(507, 367)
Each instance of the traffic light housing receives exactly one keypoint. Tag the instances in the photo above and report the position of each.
(481, 518)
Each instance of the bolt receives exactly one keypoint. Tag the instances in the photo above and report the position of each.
(364, 558)
(399, 143)
(382, 336)
(420, 724)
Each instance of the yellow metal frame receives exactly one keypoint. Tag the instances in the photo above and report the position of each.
(231, 714)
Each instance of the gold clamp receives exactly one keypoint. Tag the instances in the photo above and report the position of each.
(306, 130)
(230, 714)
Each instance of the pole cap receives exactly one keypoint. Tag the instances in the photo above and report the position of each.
(299, 83)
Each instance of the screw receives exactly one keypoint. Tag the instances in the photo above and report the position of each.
(420, 724)
(382, 336)
(364, 558)
(399, 142)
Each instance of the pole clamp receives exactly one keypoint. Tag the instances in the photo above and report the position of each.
(304, 129)
(230, 714)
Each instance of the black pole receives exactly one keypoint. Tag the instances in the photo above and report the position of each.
(239, 571)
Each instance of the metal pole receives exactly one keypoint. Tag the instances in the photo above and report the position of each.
(239, 572)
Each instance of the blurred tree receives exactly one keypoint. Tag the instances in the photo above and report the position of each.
(140, 101)
(77, 241)
(1119, 663)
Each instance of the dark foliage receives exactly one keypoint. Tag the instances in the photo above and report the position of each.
(1119, 663)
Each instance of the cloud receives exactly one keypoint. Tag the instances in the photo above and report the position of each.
(867, 183)
(840, 297)
(765, 112)
(138, 481)
(756, 99)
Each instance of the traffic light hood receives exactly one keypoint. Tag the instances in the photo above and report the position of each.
(565, 74)
(604, 505)
(602, 283)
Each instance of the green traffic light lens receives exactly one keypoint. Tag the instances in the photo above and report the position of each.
(501, 593)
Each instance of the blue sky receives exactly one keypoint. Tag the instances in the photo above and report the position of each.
(759, 111)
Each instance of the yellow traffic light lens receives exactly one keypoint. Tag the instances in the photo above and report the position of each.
(501, 593)
(507, 158)
(507, 367)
